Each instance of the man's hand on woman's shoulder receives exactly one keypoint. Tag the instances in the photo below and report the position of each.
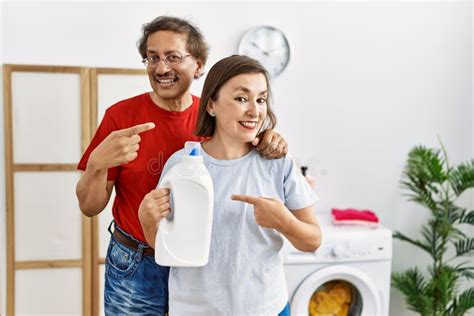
(271, 144)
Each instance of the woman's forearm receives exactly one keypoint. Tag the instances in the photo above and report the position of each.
(303, 236)
(299, 226)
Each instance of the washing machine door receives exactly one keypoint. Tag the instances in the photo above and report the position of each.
(336, 290)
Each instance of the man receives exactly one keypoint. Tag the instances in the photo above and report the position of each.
(128, 151)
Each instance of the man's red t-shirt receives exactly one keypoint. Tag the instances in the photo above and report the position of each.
(138, 177)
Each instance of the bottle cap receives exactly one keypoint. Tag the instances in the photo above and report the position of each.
(192, 149)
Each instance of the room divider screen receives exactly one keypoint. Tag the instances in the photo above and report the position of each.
(55, 255)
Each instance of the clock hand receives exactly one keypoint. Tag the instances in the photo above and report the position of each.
(261, 49)
(278, 48)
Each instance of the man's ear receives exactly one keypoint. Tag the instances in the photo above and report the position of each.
(199, 70)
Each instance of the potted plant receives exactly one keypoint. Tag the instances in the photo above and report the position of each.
(432, 182)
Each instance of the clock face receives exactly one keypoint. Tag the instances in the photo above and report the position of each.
(269, 46)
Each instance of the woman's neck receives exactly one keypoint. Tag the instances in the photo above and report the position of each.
(220, 148)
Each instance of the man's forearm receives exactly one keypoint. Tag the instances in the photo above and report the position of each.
(91, 191)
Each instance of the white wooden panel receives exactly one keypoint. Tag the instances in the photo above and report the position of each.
(48, 291)
(101, 288)
(113, 88)
(48, 222)
(105, 218)
(46, 117)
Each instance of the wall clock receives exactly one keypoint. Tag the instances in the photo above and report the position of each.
(269, 46)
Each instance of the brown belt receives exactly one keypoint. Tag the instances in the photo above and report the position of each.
(132, 244)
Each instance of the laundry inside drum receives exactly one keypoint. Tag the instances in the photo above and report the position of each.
(335, 298)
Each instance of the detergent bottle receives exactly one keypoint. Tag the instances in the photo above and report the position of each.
(184, 237)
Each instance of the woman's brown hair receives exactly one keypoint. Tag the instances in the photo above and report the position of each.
(218, 75)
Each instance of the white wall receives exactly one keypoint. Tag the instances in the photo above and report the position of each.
(366, 82)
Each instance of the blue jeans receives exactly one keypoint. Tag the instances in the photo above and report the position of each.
(134, 283)
(285, 311)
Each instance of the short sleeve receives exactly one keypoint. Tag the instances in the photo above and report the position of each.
(298, 193)
(172, 161)
(105, 128)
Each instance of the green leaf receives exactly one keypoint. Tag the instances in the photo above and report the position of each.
(423, 170)
(464, 246)
(413, 285)
(442, 286)
(420, 195)
(463, 271)
(467, 273)
(456, 213)
(457, 234)
(461, 178)
(467, 217)
(433, 240)
(417, 243)
(425, 165)
(463, 303)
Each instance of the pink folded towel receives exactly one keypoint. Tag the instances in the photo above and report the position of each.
(352, 216)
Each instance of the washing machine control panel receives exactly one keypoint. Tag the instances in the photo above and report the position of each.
(340, 251)
(343, 250)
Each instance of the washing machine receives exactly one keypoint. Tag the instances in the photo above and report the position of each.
(348, 275)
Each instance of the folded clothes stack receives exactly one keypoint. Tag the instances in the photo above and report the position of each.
(352, 216)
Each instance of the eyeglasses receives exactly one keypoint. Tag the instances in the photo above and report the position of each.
(170, 60)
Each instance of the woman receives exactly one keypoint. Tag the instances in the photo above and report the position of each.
(256, 202)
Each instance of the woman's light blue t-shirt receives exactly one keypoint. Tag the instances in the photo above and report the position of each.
(244, 275)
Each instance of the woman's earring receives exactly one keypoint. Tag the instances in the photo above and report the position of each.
(212, 114)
